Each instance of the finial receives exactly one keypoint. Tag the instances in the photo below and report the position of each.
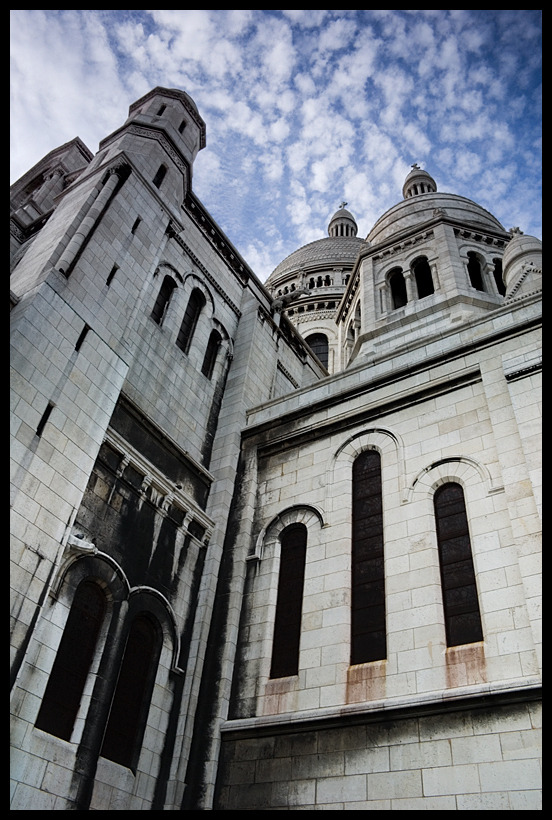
(415, 167)
(343, 204)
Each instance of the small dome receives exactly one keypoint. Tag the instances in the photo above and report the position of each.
(418, 182)
(522, 264)
(521, 246)
(342, 223)
(339, 249)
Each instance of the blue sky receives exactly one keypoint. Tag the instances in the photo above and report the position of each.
(303, 109)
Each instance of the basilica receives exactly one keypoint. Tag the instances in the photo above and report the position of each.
(274, 546)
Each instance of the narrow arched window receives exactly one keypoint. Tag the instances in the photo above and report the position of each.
(423, 277)
(460, 601)
(130, 706)
(398, 288)
(474, 271)
(289, 604)
(368, 627)
(160, 175)
(190, 320)
(318, 343)
(65, 687)
(211, 352)
(162, 302)
(497, 273)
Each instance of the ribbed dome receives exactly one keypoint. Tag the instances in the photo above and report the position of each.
(338, 250)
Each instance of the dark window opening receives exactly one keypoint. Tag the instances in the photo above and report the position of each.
(289, 604)
(82, 337)
(460, 601)
(190, 320)
(161, 110)
(474, 272)
(63, 694)
(44, 419)
(130, 706)
(136, 223)
(111, 276)
(423, 277)
(497, 273)
(318, 343)
(160, 175)
(162, 302)
(368, 626)
(182, 126)
(398, 289)
(211, 352)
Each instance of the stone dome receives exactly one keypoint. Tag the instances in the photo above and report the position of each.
(339, 249)
(422, 203)
(422, 208)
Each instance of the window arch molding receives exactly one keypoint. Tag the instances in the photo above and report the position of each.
(462, 470)
(266, 544)
(387, 443)
(193, 282)
(100, 568)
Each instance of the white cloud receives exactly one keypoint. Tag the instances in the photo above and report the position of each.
(302, 108)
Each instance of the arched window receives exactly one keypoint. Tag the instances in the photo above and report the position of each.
(368, 631)
(213, 345)
(423, 277)
(497, 273)
(63, 694)
(318, 343)
(460, 601)
(289, 604)
(189, 322)
(130, 706)
(474, 271)
(162, 302)
(160, 175)
(398, 288)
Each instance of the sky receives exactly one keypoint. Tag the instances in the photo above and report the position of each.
(304, 110)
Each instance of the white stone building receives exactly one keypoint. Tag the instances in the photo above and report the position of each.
(311, 584)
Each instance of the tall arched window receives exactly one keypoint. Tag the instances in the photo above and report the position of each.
(318, 343)
(398, 288)
(474, 271)
(63, 694)
(130, 706)
(210, 358)
(289, 604)
(162, 302)
(460, 601)
(189, 322)
(368, 630)
(423, 277)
